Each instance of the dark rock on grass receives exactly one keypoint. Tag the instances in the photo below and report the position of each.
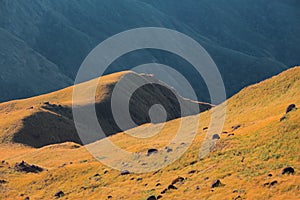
(205, 128)
(124, 172)
(179, 179)
(282, 118)
(236, 127)
(172, 187)
(168, 149)
(3, 181)
(216, 183)
(270, 175)
(159, 197)
(231, 134)
(158, 184)
(59, 194)
(215, 137)
(193, 162)
(109, 197)
(152, 151)
(27, 168)
(239, 191)
(192, 172)
(27, 198)
(63, 165)
(206, 178)
(83, 188)
(156, 172)
(164, 191)
(243, 159)
(75, 146)
(197, 188)
(139, 179)
(237, 198)
(290, 108)
(266, 184)
(152, 198)
(288, 170)
(96, 177)
(273, 183)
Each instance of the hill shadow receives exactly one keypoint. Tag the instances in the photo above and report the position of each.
(54, 123)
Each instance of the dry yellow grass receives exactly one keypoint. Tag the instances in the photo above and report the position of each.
(12, 113)
(262, 145)
(48, 119)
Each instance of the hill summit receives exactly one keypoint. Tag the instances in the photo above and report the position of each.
(48, 119)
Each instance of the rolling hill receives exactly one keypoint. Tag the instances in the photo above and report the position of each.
(256, 144)
(35, 121)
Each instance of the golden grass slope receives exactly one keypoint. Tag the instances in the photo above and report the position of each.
(48, 119)
(13, 113)
(262, 145)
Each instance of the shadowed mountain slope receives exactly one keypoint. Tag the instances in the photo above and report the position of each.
(24, 71)
(248, 41)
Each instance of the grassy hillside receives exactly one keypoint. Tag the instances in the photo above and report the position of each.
(248, 160)
(48, 119)
(30, 117)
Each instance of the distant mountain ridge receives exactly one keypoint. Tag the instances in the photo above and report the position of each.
(24, 71)
(248, 41)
